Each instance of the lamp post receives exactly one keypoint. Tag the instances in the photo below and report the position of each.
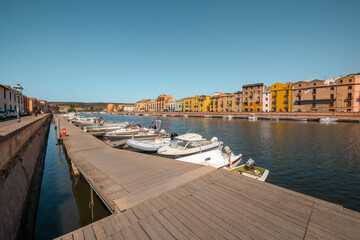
(19, 90)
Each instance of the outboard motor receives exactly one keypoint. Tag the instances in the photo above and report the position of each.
(173, 135)
(214, 139)
(250, 163)
(101, 120)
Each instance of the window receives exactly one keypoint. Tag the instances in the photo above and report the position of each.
(313, 105)
(350, 87)
(288, 86)
(331, 104)
(274, 86)
(266, 105)
(314, 97)
(341, 81)
(10, 96)
(299, 85)
(349, 104)
(350, 80)
(314, 91)
(332, 88)
(314, 84)
(349, 95)
(4, 94)
(332, 96)
(266, 99)
(287, 92)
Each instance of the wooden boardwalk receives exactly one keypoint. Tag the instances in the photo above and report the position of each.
(157, 198)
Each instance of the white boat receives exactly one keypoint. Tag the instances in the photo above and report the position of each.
(187, 144)
(252, 117)
(148, 145)
(250, 170)
(185, 116)
(300, 119)
(214, 158)
(272, 118)
(227, 117)
(207, 116)
(328, 120)
(106, 127)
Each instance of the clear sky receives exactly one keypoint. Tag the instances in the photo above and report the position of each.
(124, 51)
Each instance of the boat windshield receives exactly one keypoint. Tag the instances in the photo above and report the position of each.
(178, 144)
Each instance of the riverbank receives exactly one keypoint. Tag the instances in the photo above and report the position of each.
(309, 116)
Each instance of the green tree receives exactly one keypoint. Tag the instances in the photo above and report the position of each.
(71, 109)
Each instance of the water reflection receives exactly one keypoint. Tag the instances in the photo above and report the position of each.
(64, 199)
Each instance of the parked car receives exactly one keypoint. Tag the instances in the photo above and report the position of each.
(11, 113)
(2, 114)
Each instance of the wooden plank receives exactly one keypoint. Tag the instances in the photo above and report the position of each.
(129, 233)
(138, 213)
(89, 233)
(108, 227)
(78, 235)
(118, 236)
(117, 225)
(246, 215)
(200, 222)
(98, 230)
(198, 210)
(189, 223)
(144, 209)
(239, 222)
(283, 224)
(178, 225)
(168, 226)
(289, 213)
(131, 216)
(139, 232)
(154, 229)
(209, 221)
(121, 217)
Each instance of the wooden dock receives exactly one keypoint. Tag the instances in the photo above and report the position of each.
(158, 198)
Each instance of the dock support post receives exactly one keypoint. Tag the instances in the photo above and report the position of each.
(91, 204)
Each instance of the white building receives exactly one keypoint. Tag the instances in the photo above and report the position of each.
(8, 98)
(172, 105)
(266, 96)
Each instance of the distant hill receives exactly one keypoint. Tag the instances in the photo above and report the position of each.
(96, 106)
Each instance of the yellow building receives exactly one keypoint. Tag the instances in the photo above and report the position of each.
(281, 97)
(140, 106)
(110, 107)
(196, 104)
(214, 101)
(226, 102)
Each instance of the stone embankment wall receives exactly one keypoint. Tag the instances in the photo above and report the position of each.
(22, 152)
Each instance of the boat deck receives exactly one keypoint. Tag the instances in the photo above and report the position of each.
(159, 198)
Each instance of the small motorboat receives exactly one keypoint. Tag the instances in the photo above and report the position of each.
(252, 117)
(207, 116)
(214, 158)
(250, 170)
(148, 145)
(227, 117)
(188, 144)
(328, 120)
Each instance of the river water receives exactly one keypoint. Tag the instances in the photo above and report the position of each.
(318, 159)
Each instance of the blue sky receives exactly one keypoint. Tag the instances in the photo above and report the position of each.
(123, 51)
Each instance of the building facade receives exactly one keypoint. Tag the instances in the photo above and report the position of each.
(313, 96)
(33, 105)
(178, 106)
(162, 102)
(252, 97)
(266, 98)
(238, 101)
(171, 105)
(347, 94)
(226, 102)
(281, 97)
(110, 107)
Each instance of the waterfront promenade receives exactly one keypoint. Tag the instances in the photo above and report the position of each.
(310, 116)
(158, 198)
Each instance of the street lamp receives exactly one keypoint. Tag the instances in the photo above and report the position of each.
(19, 90)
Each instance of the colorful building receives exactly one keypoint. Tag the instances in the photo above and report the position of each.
(110, 107)
(347, 93)
(162, 102)
(214, 101)
(266, 101)
(252, 97)
(226, 102)
(238, 101)
(313, 96)
(178, 106)
(281, 97)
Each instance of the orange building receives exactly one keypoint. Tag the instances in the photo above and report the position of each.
(110, 107)
(33, 105)
(162, 102)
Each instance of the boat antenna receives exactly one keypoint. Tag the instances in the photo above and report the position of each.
(189, 131)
